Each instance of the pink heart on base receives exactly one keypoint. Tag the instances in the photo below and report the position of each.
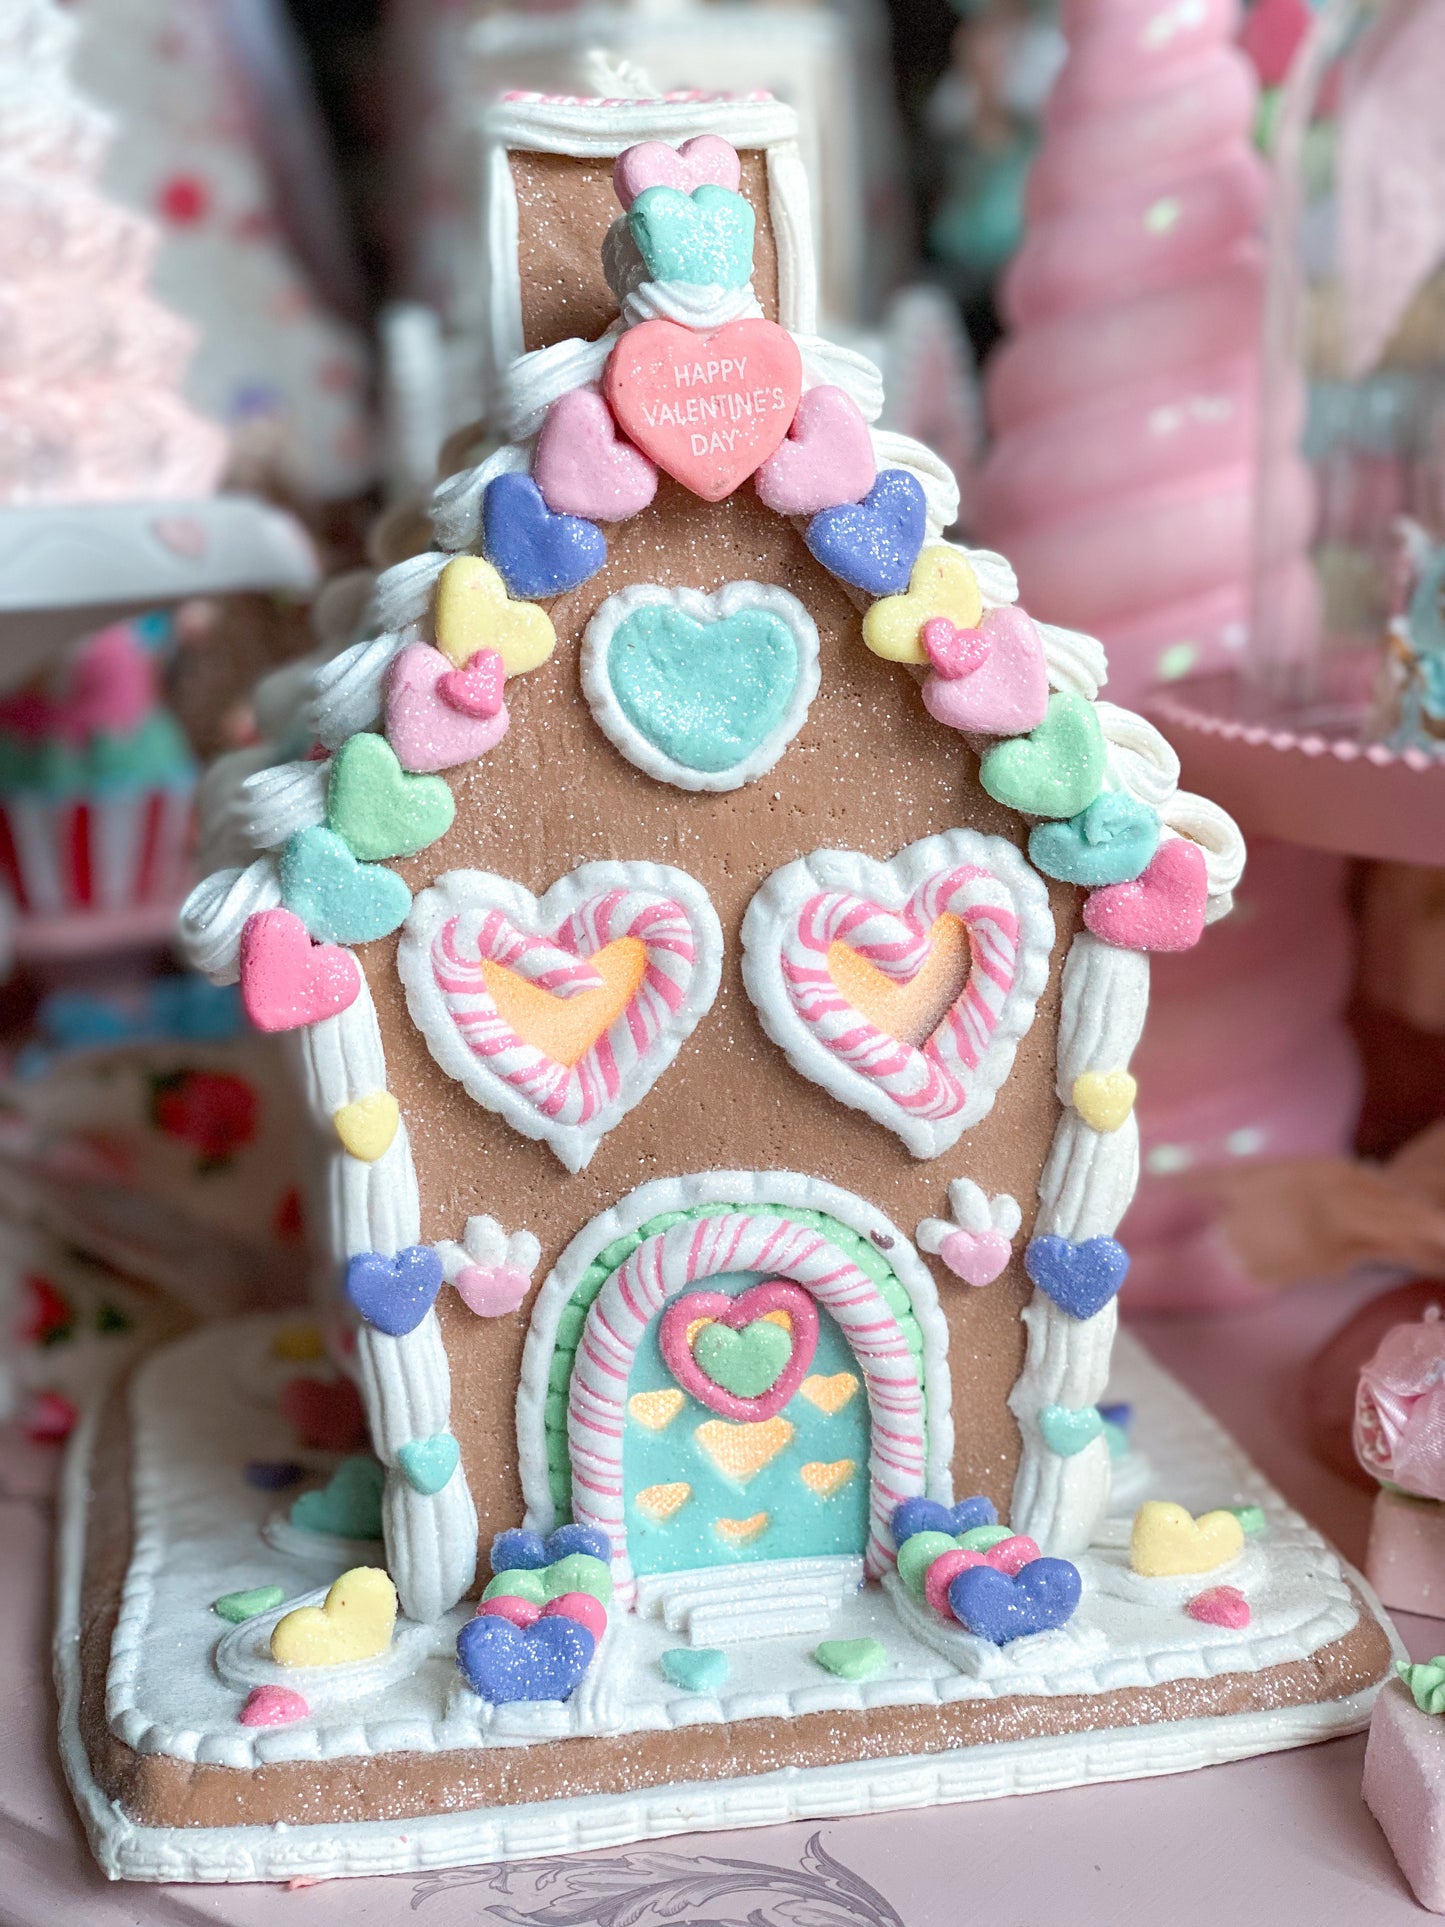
(520, 1613)
(1161, 910)
(825, 461)
(977, 1257)
(1005, 692)
(491, 1290)
(1009, 1557)
(1220, 1606)
(584, 467)
(695, 1307)
(477, 689)
(428, 729)
(706, 158)
(273, 1706)
(582, 1607)
(286, 980)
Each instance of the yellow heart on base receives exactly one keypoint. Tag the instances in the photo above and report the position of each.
(655, 1410)
(367, 1126)
(354, 1622)
(1104, 1099)
(942, 584)
(659, 1502)
(830, 1392)
(473, 611)
(1167, 1540)
(827, 1481)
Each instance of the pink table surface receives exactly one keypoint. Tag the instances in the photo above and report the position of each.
(1283, 1840)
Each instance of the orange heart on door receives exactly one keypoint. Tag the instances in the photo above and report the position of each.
(910, 1011)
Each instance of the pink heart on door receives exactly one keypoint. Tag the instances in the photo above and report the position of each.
(977, 1257)
(491, 1291)
(825, 461)
(429, 730)
(705, 160)
(584, 467)
(1161, 910)
(1003, 693)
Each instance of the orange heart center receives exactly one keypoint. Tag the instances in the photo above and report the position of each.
(909, 1011)
(566, 1028)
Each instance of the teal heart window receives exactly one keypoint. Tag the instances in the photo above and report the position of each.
(702, 691)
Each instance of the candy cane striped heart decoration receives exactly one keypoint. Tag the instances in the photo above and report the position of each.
(561, 1013)
(819, 931)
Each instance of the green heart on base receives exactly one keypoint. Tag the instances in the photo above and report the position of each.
(983, 1538)
(1057, 769)
(851, 1658)
(696, 1669)
(917, 1554)
(746, 1363)
(241, 1606)
(523, 1582)
(1068, 1429)
(708, 695)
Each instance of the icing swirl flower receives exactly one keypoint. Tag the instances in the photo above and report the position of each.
(1400, 1410)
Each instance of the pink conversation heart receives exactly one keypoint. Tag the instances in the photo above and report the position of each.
(521, 1613)
(1161, 910)
(706, 158)
(954, 652)
(584, 467)
(1009, 1556)
(1220, 1606)
(273, 1706)
(288, 981)
(1006, 693)
(825, 461)
(1012, 1555)
(977, 1257)
(491, 1290)
(582, 1607)
(477, 689)
(426, 728)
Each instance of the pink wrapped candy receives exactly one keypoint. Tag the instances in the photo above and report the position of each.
(1400, 1410)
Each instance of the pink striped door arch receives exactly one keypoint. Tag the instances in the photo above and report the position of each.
(707, 1247)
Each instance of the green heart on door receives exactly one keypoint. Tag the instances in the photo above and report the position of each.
(746, 1363)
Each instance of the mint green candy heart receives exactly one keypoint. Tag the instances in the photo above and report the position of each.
(1109, 842)
(578, 1572)
(523, 1582)
(708, 695)
(1251, 1518)
(746, 1363)
(427, 1464)
(696, 1669)
(338, 899)
(348, 1506)
(1057, 769)
(917, 1554)
(377, 808)
(983, 1538)
(1117, 1440)
(851, 1658)
(705, 238)
(239, 1606)
(1067, 1429)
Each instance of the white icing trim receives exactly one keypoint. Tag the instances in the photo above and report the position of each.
(736, 1189)
(973, 1210)
(345, 694)
(215, 913)
(1217, 835)
(732, 599)
(533, 382)
(999, 586)
(273, 804)
(927, 1097)
(1075, 661)
(515, 1077)
(689, 304)
(403, 593)
(1140, 759)
(790, 215)
(828, 364)
(930, 471)
(456, 504)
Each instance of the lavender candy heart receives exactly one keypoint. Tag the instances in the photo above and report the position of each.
(394, 1294)
(1040, 1596)
(1081, 1279)
(501, 1663)
(1121, 1414)
(536, 552)
(518, 1551)
(574, 1538)
(929, 1515)
(873, 543)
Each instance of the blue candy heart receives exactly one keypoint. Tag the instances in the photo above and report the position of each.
(517, 1550)
(707, 694)
(501, 1663)
(1109, 842)
(1067, 1429)
(338, 899)
(1120, 1413)
(697, 1669)
(929, 1515)
(1041, 1595)
(705, 238)
(537, 553)
(874, 543)
(394, 1294)
(427, 1464)
(1081, 1279)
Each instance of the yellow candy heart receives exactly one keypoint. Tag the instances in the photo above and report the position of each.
(367, 1127)
(354, 1622)
(473, 611)
(1104, 1099)
(942, 584)
(1167, 1541)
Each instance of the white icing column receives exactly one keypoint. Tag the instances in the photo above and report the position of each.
(1085, 1189)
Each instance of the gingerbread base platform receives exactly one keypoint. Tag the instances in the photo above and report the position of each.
(399, 1766)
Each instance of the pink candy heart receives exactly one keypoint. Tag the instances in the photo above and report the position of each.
(582, 1607)
(1161, 910)
(477, 689)
(1220, 1606)
(491, 1290)
(288, 981)
(521, 1613)
(1004, 692)
(273, 1706)
(954, 652)
(1009, 1557)
(706, 158)
(584, 467)
(977, 1257)
(425, 725)
(825, 460)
